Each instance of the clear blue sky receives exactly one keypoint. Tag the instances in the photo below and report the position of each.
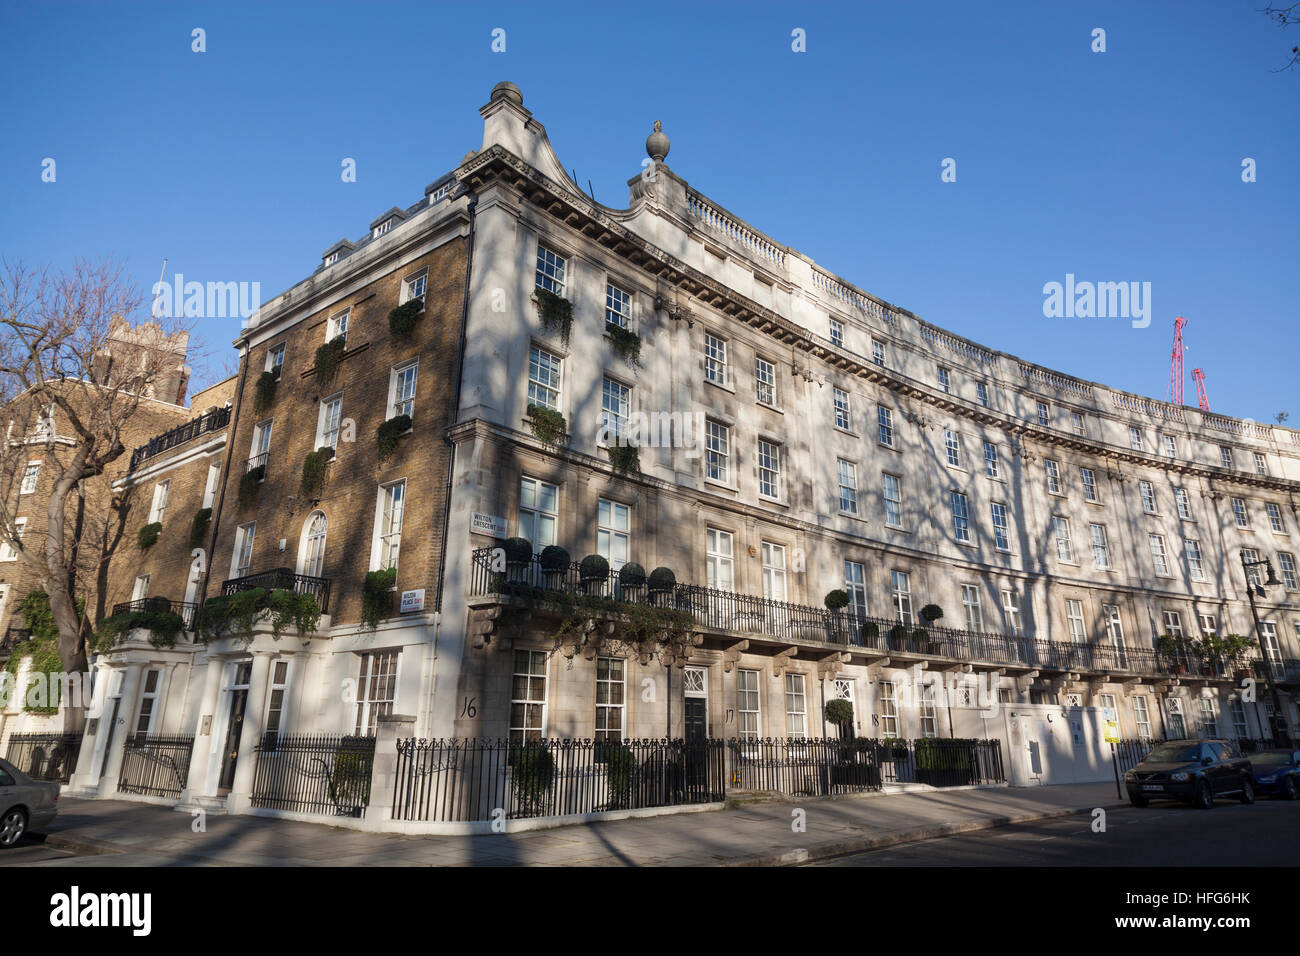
(1117, 166)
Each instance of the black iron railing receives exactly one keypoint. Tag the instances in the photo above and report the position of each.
(471, 779)
(750, 614)
(827, 766)
(314, 773)
(159, 604)
(283, 579)
(45, 756)
(159, 766)
(214, 420)
(257, 461)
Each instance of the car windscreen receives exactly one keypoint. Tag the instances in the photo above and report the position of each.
(1270, 760)
(1174, 753)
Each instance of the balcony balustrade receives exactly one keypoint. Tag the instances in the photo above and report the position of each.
(159, 604)
(283, 579)
(214, 420)
(748, 615)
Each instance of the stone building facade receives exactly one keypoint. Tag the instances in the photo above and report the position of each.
(810, 437)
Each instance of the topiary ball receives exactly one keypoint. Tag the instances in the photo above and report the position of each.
(555, 558)
(662, 579)
(593, 568)
(632, 575)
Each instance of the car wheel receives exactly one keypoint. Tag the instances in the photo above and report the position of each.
(1137, 801)
(12, 827)
(1204, 799)
(1247, 790)
(1289, 789)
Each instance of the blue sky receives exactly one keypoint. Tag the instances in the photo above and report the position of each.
(1115, 166)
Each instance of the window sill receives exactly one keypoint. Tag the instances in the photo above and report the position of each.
(1089, 501)
(846, 431)
(720, 484)
(773, 501)
(769, 407)
(726, 387)
(893, 448)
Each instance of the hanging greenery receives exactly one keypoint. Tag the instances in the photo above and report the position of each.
(401, 321)
(291, 609)
(199, 527)
(249, 483)
(231, 614)
(625, 342)
(328, 357)
(313, 471)
(163, 627)
(626, 459)
(547, 425)
(389, 432)
(43, 649)
(148, 535)
(264, 391)
(377, 596)
(556, 313)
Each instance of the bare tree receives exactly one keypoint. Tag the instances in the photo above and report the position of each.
(1285, 16)
(73, 376)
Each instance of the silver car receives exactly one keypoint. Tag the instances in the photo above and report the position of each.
(24, 804)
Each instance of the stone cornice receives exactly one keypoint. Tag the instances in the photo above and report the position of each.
(595, 223)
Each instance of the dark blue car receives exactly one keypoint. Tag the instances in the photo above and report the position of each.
(1277, 773)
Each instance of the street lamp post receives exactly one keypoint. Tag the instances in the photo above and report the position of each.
(1280, 729)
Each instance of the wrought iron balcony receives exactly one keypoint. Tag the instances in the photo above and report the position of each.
(214, 420)
(159, 605)
(257, 461)
(752, 616)
(283, 579)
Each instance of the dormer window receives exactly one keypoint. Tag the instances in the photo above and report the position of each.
(332, 258)
(383, 227)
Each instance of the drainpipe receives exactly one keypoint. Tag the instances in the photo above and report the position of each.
(455, 408)
(224, 483)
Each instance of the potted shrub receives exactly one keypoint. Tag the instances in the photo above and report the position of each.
(555, 562)
(921, 641)
(625, 459)
(592, 570)
(631, 576)
(871, 634)
(931, 613)
(519, 551)
(836, 600)
(893, 748)
(898, 637)
(1175, 650)
(840, 713)
(662, 581)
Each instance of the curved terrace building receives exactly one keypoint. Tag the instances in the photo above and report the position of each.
(668, 386)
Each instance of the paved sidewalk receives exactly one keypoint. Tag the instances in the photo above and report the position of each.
(121, 833)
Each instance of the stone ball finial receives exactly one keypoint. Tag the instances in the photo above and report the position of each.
(505, 90)
(656, 144)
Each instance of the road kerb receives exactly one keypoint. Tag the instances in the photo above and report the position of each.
(862, 844)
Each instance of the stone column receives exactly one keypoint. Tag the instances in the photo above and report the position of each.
(383, 777)
(205, 733)
(126, 721)
(251, 734)
(100, 711)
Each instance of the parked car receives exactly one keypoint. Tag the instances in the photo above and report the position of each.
(1277, 772)
(1193, 771)
(25, 804)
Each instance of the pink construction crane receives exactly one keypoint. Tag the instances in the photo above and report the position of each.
(1176, 363)
(1204, 402)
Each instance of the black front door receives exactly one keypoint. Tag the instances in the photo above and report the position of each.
(238, 701)
(697, 719)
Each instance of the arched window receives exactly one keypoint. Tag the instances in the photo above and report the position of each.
(311, 558)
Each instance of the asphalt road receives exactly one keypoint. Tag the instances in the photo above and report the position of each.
(1231, 834)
